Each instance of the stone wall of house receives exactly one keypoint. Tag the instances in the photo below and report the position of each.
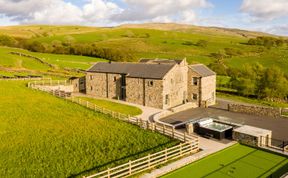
(153, 94)
(75, 84)
(135, 90)
(208, 91)
(96, 84)
(255, 110)
(175, 86)
(114, 86)
(192, 88)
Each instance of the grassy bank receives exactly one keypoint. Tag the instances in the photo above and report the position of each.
(44, 136)
(113, 106)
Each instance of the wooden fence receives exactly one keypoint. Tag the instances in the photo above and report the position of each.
(150, 161)
(190, 142)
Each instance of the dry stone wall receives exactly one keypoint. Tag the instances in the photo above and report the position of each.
(255, 110)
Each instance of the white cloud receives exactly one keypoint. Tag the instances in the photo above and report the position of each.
(93, 12)
(181, 10)
(265, 9)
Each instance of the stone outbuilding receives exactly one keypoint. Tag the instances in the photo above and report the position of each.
(158, 83)
(253, 135)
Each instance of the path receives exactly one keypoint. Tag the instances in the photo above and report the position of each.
(208, 147)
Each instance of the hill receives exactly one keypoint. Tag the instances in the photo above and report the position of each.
(197, 44)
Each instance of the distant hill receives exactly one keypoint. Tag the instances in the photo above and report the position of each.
(196, 29)
(157, 40)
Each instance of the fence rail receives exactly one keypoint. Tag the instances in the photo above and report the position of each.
(150, 161)
(190, 142)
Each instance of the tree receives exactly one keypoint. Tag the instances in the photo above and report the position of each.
(202, 43)
(6, 40)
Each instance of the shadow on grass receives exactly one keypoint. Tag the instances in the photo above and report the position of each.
(123, 159)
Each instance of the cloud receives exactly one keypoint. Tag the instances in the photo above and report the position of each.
(93, 12)
(265, 9)
(181, 10)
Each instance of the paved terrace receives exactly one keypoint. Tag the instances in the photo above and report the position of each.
(278, 126)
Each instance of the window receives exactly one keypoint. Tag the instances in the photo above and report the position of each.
(194, 96)
(115, 79)
(91, 77)
(166, 99)
(150, 83)
(194, 81)
(91, 88)
(171, 81)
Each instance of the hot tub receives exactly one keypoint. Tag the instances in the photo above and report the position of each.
(208, 128)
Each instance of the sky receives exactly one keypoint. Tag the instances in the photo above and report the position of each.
(259, 15)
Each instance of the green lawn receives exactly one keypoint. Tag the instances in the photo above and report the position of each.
(237, 161)
(45, 136)
(113, 106)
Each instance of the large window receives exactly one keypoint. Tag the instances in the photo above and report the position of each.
(194, 81)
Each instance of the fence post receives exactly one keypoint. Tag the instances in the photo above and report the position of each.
(108, 172)
(173, 130)
(149, 160)
(184, 136)
(147, 125)
(166, 159)
(181, 149)
(163, 129)
(130, 168)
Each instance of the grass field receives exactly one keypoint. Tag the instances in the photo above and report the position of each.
(161, 41)
(144, 42)
(45, 136)
(237, 161)
(113, 106)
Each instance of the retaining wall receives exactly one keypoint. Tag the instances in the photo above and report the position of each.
(255, 110)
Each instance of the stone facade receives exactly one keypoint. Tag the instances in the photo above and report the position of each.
(255, 110)
(175, 88)
(201, 90)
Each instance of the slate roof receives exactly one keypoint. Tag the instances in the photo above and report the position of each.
(162, 61)
(202, 70)
(136, 70)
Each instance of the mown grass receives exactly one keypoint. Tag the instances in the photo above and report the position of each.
(44, 136)
(236, 161)
(113, 106)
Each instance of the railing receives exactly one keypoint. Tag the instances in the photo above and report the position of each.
(26, 78)
(48, 83)
(97, 108)
(150, 161)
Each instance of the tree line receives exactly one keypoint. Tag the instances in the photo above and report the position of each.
(68, 46)
(255, 80)
(267, 42)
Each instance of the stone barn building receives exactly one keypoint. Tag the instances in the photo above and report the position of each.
(151, 82)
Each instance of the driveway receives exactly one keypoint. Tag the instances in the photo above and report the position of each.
(278, 126)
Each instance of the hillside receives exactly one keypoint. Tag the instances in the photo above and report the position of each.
(156, 41)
